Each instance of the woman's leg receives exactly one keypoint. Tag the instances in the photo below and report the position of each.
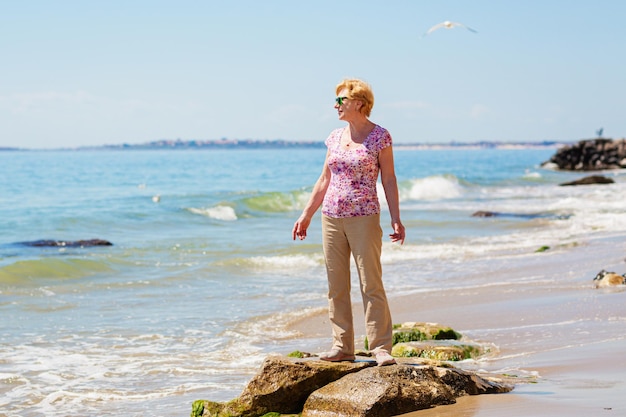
(337, 256)
(365, 239)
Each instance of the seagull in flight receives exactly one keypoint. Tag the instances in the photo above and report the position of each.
(448, 25)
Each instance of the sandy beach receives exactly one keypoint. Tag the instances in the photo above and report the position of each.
(562, 337)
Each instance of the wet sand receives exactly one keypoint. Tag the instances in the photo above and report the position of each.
(563, 338)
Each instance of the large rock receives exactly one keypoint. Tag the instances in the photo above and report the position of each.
(525, 216)
(393, 390)
(283, 385)
(316, 388)
(68, 243)
(591, 179)
(590, 155)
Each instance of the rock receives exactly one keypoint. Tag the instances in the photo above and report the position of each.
(393, 390)
(608, 279)
(439, 350)
(592, 179)
(590, 155)
(526, 216)
(283, 385)
(482, 213)
(68, 243)
(316, 388)
(432, 341)
(417, 331)
(414, 331)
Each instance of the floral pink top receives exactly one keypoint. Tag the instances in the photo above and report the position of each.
(354, 172)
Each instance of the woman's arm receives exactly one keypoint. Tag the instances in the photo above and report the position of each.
(390, 185)
(315, 201)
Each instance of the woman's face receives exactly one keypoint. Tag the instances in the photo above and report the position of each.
(347, 109)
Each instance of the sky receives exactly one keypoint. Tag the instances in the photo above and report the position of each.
(89, 73)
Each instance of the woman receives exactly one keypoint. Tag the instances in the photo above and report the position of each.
(346, 190)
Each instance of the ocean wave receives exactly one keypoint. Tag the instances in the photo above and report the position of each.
(276, 326)
(277, 202)
(277, 262)
(218, 212)
(255, 205)
(532, 175)
(81, 374)
(437, 187)
(432, 188)
(34, 270)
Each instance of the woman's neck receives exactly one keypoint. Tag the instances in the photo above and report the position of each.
(360, 129)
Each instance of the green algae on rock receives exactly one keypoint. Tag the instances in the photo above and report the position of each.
(440, 350)
(417, 331)
(433, 341)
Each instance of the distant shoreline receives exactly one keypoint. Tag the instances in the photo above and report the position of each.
(284, 144)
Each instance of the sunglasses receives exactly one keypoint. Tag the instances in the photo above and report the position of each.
(340, 100)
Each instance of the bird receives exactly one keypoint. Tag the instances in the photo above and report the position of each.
(448, 25)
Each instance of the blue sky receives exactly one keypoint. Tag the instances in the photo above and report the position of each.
(81, 73)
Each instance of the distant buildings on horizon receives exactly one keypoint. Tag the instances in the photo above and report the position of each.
(281, 143)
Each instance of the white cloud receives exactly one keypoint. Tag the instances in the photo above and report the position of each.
(479, 110)
(19, 103)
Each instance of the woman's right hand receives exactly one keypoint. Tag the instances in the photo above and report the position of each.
(315, 201)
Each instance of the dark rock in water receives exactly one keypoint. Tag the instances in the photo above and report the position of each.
(592, 179)
(590, 155)
(360, 388)
(68, 243)
(608, 279)
(481, 213)
(527, 216)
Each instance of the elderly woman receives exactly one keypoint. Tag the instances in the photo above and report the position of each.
(346, 190)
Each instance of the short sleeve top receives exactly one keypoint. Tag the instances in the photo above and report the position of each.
(354, 173)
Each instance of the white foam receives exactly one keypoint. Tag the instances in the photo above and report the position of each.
(283, 262)
(76, 375)
(219, 212)
(532, 175)
(432, 188)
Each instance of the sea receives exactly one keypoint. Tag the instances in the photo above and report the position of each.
(203, 280)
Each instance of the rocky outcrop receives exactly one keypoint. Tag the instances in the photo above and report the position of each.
(592, 179)
(283, 385)
(608, 279)
(360, 388)
(590, 155)
(393, 390)
(68, 243)
(421, 379)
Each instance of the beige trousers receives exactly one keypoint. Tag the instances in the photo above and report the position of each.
(362, 237)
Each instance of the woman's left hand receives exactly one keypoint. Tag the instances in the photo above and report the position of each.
(398, 232)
